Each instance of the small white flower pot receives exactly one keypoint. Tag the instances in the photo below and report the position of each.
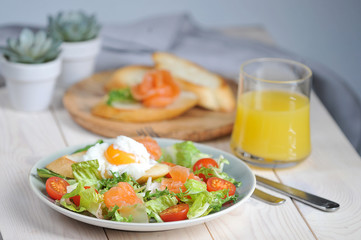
(30, 86)
(78, 60)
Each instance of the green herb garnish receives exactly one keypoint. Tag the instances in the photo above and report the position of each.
(120, 95)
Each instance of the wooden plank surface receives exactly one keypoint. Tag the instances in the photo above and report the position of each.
(25, 139)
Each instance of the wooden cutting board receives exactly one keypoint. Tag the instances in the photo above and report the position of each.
(196, 124)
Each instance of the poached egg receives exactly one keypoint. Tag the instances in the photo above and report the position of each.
(123, 155)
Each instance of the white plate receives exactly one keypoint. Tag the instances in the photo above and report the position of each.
(237, 169)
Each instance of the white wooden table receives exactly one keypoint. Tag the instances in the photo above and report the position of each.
(333, 171)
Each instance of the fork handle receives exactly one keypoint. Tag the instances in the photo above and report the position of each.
(307, 198)
(267, 198)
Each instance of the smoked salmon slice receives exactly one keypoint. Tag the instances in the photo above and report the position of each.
(158, 89)
(179, 173)
(173, 186)
(151, 145)
(121, 195)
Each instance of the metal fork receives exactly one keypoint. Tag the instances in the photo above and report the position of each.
(147, 131)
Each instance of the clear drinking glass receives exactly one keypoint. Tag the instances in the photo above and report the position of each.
(272, 126)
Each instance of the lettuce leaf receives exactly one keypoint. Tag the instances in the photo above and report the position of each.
(187, 154)
(77, 187)
(71, 206)
(120, 95)
(207, 202)
(46, 173)
(155, 206)
(158, 193)
(184, 154)
(87, 173)
(90, 200)
(201, 201)
(194, 186)
(168, 154)
(87, 147)
(219, 199)
(114, 215)
(200, 206)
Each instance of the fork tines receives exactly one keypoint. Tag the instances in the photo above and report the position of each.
(147, 131)
(141, 132)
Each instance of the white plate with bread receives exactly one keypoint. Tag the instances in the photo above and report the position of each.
(204, 109)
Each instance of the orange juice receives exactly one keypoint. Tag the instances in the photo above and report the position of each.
(273, 125)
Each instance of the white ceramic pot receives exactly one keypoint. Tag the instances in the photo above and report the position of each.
(30, 86)
(78, 60)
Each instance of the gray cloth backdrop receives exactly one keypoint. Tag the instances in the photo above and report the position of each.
(178, 34)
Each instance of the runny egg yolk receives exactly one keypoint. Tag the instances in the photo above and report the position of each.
(118, 157)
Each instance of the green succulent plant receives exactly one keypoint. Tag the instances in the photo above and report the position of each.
(73, 26)
(31, 48)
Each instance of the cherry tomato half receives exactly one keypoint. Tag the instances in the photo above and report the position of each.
(56, 187)
(76, 198)
(175, 213)
(204, 162)
(215, 184)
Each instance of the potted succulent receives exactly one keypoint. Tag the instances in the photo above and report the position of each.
(79, 33)
(30, 65)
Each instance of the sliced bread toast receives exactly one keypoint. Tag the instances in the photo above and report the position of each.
(63, 164)
(212, 90)
(136, 112)
(126, 76)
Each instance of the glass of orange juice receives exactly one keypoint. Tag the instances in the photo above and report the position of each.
(272, 125)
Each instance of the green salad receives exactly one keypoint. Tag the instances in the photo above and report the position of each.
(194, 186)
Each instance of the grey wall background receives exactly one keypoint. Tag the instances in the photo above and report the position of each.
(328, 31)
